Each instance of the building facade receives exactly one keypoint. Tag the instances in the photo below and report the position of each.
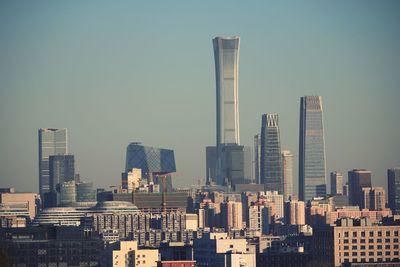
(287, 174)
(394, 190)
(226, 56)
(51, 142)
(256, 159)
(61, 169)
(271, 158)
(336, 183)
(358, 179)
(312, 165)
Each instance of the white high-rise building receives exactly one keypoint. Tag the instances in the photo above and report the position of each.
(287, 167)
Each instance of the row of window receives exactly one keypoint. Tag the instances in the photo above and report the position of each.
(370, 253)
(371, 234)
(379, 240)
(395, 246)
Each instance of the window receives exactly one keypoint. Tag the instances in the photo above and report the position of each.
(396, 233)
(387, 253)
(346, 241)
(371, 253)
(362, 253)
(387, 246)
(396, 253)
(379, 247)
(362, 240)
(379, 253)
(363, 234)
(231, 246)
(396, 246)
(371, 233)
(354, 254)
(387, 240)
(380, 233)
(354, 234)
(396, 240)
(362, 247)
(346, 247)
(387, 233)
(371, 241)
(379, 240)
(354, 241)
(346, 234)
(346, 254)
(353, 247)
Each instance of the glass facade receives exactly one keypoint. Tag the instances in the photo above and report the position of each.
(51, 142)
(85, 192)
(394, 190)
(271, 158)
(226, 55)
(312, 174)
(149, 159)
(61, 169)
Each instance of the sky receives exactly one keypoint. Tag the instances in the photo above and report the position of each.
(115, 72)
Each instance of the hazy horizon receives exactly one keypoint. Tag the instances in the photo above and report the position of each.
(113, 73)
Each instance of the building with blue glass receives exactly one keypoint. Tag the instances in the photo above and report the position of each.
(312, 166)
(150, 160)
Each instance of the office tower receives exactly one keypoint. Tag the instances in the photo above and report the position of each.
(378, 199)
(271, 158)
(256, 158)
(235, 165)
(346, 189)
(61, 169)
(295, 212)
(131, 179)
(357, 179)
(51, 142)
(394, 189)
(312, 177)
(226, 55)
(276, 199)
(150, 160)
(336, 183)
(287, 166)
(211, 164)
(67, 193)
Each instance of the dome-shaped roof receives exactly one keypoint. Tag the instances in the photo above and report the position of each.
(114, 205)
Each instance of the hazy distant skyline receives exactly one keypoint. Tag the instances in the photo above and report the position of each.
(121, 72)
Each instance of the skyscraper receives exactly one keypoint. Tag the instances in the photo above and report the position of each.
(51, 142)
(394, 189)
(287, 166)
(336, 183)
(358, 179)
(312, 176)
(61, 169)
(226, 55)
(256, 158)
(271, 158)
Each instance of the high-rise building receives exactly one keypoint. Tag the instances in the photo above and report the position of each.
(211, 164)
(295, 212)
(150, 160)
(312, 176)
(226, 55)
(131, 179)
(287, 175)
(256, 158)
(357, 179)
(51, 142)
(271, 158)
(394, 189)
(61, 169)
(336, 183)
(232, 215)
(85, 192)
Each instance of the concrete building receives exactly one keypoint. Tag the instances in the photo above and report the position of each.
(336, 183)
(256, 159)
(127, 253)
(356, 241)
(277, 201)
(295, 212)
(131, 179)
(232, 215)
(191, 221)
(394, 189)
(30, 200)
(217, 249)
(287, 167)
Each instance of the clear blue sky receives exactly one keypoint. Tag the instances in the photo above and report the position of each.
(113, 72)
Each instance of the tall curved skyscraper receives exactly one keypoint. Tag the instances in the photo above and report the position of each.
(226, 55)
(312, 174)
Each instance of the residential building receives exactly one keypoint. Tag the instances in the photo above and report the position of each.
(131, 179)
(312, 165)
(276, 199)
(295, 212)
(232, 215)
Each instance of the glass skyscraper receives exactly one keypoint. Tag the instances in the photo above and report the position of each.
(394, 189)
(226, 55)
(149, 159)
(51, 142)
(271, 158)
(312, 175)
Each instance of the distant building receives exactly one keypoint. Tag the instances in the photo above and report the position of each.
(29, 202)
(277, 200)
(356, 241)
(67, 193)
(232, 215)
(149, 159)
(295, 212)
(287, 167)
(51, 142)
(256, 158)
(312, 165)
(358, 178)
(373, 198)
(61, 169)
(127, 253)
(217, 249)
(336, 183)
(51, 246)
(131, 179)
(271, 158)
(85, 192)
(211, 164)
(394, 190)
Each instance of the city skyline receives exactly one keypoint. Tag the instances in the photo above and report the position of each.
(112, 100)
